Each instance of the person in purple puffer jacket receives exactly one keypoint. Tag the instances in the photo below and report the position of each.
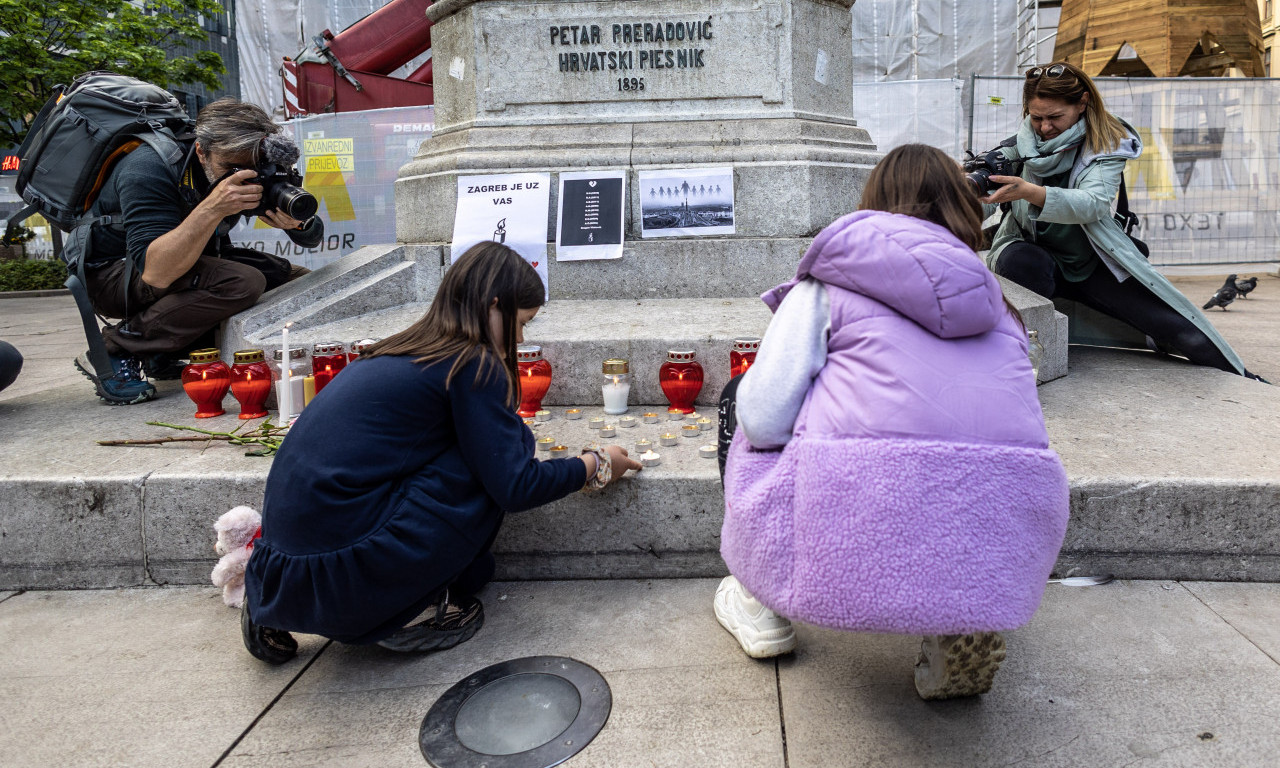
(890, 470)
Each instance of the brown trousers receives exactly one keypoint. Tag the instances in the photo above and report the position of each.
(170, 319)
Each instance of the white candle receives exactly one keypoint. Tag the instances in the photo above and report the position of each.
(284, 394)
(615, 395)
(650, 459)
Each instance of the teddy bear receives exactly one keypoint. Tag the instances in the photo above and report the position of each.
(237, 529)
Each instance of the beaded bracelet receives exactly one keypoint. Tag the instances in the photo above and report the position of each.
(604, 469)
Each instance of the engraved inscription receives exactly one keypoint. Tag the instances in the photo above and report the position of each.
(615, 47)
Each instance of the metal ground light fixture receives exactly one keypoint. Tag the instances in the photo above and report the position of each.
(534, 712)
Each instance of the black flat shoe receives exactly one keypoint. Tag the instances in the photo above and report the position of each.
(456, 621)
(274, 646)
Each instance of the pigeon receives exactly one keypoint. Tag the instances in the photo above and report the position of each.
(1244, 286)
(1225, 295)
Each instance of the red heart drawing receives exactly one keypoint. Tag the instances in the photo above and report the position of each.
(535, 265)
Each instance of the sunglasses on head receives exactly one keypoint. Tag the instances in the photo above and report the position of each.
(1055, 71)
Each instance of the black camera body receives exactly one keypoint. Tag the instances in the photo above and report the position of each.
(282, 190)
(980, 168)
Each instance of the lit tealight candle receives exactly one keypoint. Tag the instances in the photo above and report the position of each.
(651, 418)
(608, 430)
(650, 459)
(692, 417)
(669, 438)
(643, 445)
(691, 430)
(573, 413)
(627, 421)
(545, 443)
(559, 451)
(529, 422)
(542, 416)
(705, 424)
(708, 451)
(675, 414)
(595, 422)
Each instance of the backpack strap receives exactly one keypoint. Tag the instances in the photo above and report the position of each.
(22, 215)
(78, 249)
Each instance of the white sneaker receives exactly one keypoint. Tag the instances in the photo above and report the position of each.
(761, 632)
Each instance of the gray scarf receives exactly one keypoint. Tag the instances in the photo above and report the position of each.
(1059, 153)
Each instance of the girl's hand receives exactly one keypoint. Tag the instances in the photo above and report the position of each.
(621, 462)
(1015, 188)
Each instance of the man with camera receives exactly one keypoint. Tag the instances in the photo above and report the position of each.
(168, 269)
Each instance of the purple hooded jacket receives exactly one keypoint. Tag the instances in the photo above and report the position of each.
(918, 493)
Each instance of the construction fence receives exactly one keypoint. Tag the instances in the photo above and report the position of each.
(1206, 188)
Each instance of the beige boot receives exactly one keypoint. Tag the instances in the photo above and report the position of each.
(951, 666)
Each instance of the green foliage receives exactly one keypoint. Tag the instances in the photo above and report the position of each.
(28, 275)
(46, 43)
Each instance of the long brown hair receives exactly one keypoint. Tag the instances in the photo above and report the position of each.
(457, 322)
(922, 181)
(1102, 131)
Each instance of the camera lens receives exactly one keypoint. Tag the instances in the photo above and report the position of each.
(981, 181)
(294, 201)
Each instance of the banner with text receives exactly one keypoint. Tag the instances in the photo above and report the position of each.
(349, 162)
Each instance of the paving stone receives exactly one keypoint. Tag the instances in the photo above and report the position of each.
(1252, 609)
(144, 677)
(1127, 673)
(683, 695)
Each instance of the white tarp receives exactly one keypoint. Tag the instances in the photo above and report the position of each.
(1207, 187)
(912, 112)
(914, 40)
(269, 30)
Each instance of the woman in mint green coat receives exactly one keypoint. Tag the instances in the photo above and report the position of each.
(1060, 238)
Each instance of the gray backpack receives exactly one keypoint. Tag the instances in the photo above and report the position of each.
(67, 156)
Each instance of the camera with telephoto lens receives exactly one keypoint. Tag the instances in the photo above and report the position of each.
(282, 190)
(277, 172)
(980, 168)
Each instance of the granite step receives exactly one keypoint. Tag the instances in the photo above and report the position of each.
(1172, 470)
(380, 291)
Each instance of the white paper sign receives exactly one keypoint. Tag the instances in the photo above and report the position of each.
(589, 221)
(510, 209)
(691, 202)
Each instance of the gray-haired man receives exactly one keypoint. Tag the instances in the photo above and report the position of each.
(169, 270)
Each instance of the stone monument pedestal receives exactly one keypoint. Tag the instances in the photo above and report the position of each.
(763, 87)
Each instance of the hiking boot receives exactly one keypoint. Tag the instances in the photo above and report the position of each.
(761, 632)
(163, 366)
(455, 622)
(951, 666)
(124, 387)
(274, 646)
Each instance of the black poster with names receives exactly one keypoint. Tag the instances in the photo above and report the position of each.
(590, 216)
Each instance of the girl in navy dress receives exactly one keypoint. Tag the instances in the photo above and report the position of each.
(384, 499)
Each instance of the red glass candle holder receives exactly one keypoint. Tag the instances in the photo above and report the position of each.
(742, 355)
(206, 380)
(251, 382)
(327, 359)
(535, 378)
(358, 347)
(681, 379)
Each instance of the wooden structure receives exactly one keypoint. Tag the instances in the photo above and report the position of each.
(1161, 38)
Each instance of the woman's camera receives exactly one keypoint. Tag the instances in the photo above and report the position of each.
(980, 168)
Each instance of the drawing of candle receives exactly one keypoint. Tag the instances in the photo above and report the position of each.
(500, 234)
